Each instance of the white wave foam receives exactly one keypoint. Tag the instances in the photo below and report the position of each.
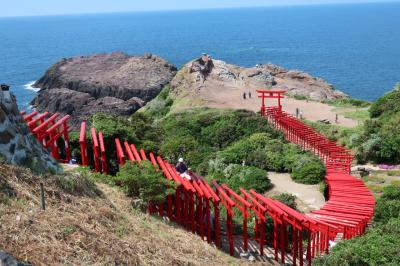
(29, 85)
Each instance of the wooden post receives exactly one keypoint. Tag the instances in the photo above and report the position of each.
(42, 200)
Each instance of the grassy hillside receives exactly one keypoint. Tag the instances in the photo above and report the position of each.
(380, 139)
(89, 224)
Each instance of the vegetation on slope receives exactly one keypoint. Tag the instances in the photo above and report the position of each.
(380, 245)
(89, 224)
(380, 141)
(377, 139)
(236, 147)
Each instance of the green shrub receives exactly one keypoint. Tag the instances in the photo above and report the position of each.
(216, 128)
(114, 127)
(379, 141)
(263, 151)
(237, 176)
(388, 205)
(287, 199)
(387, 104)
(144, 181)
(308, 171)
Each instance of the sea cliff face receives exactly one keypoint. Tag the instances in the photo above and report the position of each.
(114, 83)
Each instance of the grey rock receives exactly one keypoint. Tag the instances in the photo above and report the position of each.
(117, 81)
(223, 76)
(17, 145)
(7, 260)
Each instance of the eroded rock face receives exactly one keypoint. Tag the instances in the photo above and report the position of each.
(17, 145)
(223, 76)
(82, 105)
(115, 83)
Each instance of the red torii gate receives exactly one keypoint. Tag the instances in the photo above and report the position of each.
(59, 129)
(99, 150)
(270, 94)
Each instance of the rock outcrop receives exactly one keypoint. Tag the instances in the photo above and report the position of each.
(223, 76)
(114, 83)
(17, 145)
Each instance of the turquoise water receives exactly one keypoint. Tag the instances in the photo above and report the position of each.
(354, 47)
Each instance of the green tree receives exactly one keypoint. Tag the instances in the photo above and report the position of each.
(145, 181)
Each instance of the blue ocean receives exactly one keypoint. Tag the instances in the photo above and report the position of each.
(355, 47)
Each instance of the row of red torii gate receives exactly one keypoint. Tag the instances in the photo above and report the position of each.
(197, 205)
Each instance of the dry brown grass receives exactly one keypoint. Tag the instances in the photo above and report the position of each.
(93, 226)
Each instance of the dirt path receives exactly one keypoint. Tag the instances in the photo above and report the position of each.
(233, 98)
(309, 197)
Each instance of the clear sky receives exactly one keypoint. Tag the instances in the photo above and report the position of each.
(55, 7)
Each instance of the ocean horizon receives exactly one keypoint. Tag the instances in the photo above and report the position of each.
(353, 46)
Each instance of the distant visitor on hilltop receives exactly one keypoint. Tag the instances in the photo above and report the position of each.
(203, 66)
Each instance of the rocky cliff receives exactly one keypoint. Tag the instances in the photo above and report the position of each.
(115, 83)
(206, 82)
(231, 78)
(17, 145)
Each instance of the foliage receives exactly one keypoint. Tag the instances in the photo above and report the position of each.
(342, 135)
(379, 246)
(259, 150)
(263, 151)
(287, 199)
(358, 114)
(138, 129)
(378, 141)
(114, 127)
(161, 105)
(196, 134)
(144, 181)
(387, 104)
(202, 135)
(238, 176)
(348, 102)
(308, 171)
(388, 205)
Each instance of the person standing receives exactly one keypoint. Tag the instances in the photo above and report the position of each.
(297, 112)
(337, 118)
(244, 95)
(249, 95)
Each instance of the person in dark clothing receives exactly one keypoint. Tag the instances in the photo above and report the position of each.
(249, 94)
(244, 95)
(182, 169)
